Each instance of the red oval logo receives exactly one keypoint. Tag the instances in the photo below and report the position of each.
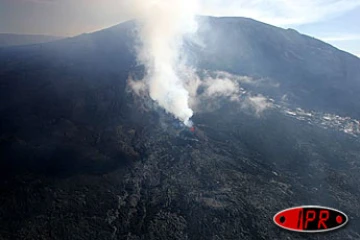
(311, 219)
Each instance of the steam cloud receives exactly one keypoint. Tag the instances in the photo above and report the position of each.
(162, 24)
(258, 102)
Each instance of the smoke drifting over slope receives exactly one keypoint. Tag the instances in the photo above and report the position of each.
(162, 25)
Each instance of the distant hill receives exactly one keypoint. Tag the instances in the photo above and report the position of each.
(9, 39)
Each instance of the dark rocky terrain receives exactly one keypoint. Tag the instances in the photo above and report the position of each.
(82, 157)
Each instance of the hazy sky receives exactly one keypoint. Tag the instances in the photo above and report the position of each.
(334, 21)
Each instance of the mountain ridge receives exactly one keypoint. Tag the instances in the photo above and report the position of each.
(311, 73)
(14, 39)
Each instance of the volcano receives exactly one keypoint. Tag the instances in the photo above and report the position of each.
(84, 157)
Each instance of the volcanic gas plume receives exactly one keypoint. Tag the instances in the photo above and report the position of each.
(162, 25)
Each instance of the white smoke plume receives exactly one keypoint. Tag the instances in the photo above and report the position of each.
(259, 103)
(162, 24)
(222, 87)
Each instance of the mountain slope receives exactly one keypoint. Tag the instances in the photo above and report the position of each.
(8, 39)
(83, 157)
(311, 73)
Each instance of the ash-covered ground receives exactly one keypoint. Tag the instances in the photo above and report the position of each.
(154, 179)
